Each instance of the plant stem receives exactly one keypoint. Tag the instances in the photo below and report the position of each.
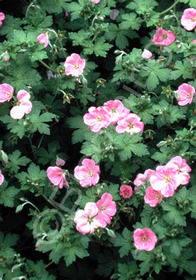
(48, 67)
(168, 9)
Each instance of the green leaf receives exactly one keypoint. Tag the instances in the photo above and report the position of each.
(124, 241)
(101, 48)
(130, 21)
(15, 161)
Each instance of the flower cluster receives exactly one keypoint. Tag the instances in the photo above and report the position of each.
(185, 94)
(164, 181)
(95, 215)
(23, 105)
(87, 173)
(113, 112)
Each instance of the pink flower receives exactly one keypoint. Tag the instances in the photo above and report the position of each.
(2, 17)
(116, 110)
(56, 176)
(188, 19)
(141, 179)
(144, 239)
(126, 191)
(152, 197)
(74, 65)
(185, 94)
(1, 178)
(182, 168)
(23, 106)
(60, 162)
(193, 42)
(88, 173)
(43, 38)
(107, 209)
(97, 118)
(95, 1)
(164, 180)
(87, 220)
(146, 54)
(131, 124)
(163, 37)
(6, 92)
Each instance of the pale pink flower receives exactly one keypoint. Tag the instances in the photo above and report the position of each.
(74, 65)
(2, 17)
(88, 173)
(142, 179)
(164, 180)
(188, 19)
(146, 54)
(60, 162)
(116, 110)
(56, 176)
(131, 124)
(193, 42)
(182, 168)
(23, 105)
(126, 191)
(97, 118)
(95, 1)
(6, 92)
(185, 94)
(87, 220)
(144, 239)
(163, 37)
(43, 38)
(1, 178)
(152, 197)
(107, 209)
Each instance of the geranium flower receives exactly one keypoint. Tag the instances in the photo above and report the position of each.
(141, 179)
(163, 37)
(1, 178)
(144, 239)
(185, 94)
(131, 124)
(146, 54)
(164, 180)
(188, 19)
(126, 191)
(2, 17)
(107, 209)
(60, 162)
(6, 92)
(116, 110)
(74, 65)
(23, 106)
(87, 220)
(43, 38)
(182, 168)
(88, 173)
(95, 1)
(56, 176)
(97, 118)
(152, 197)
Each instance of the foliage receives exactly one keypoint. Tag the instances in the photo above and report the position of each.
(111, 36)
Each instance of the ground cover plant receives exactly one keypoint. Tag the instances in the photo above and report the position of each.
(97, 148)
